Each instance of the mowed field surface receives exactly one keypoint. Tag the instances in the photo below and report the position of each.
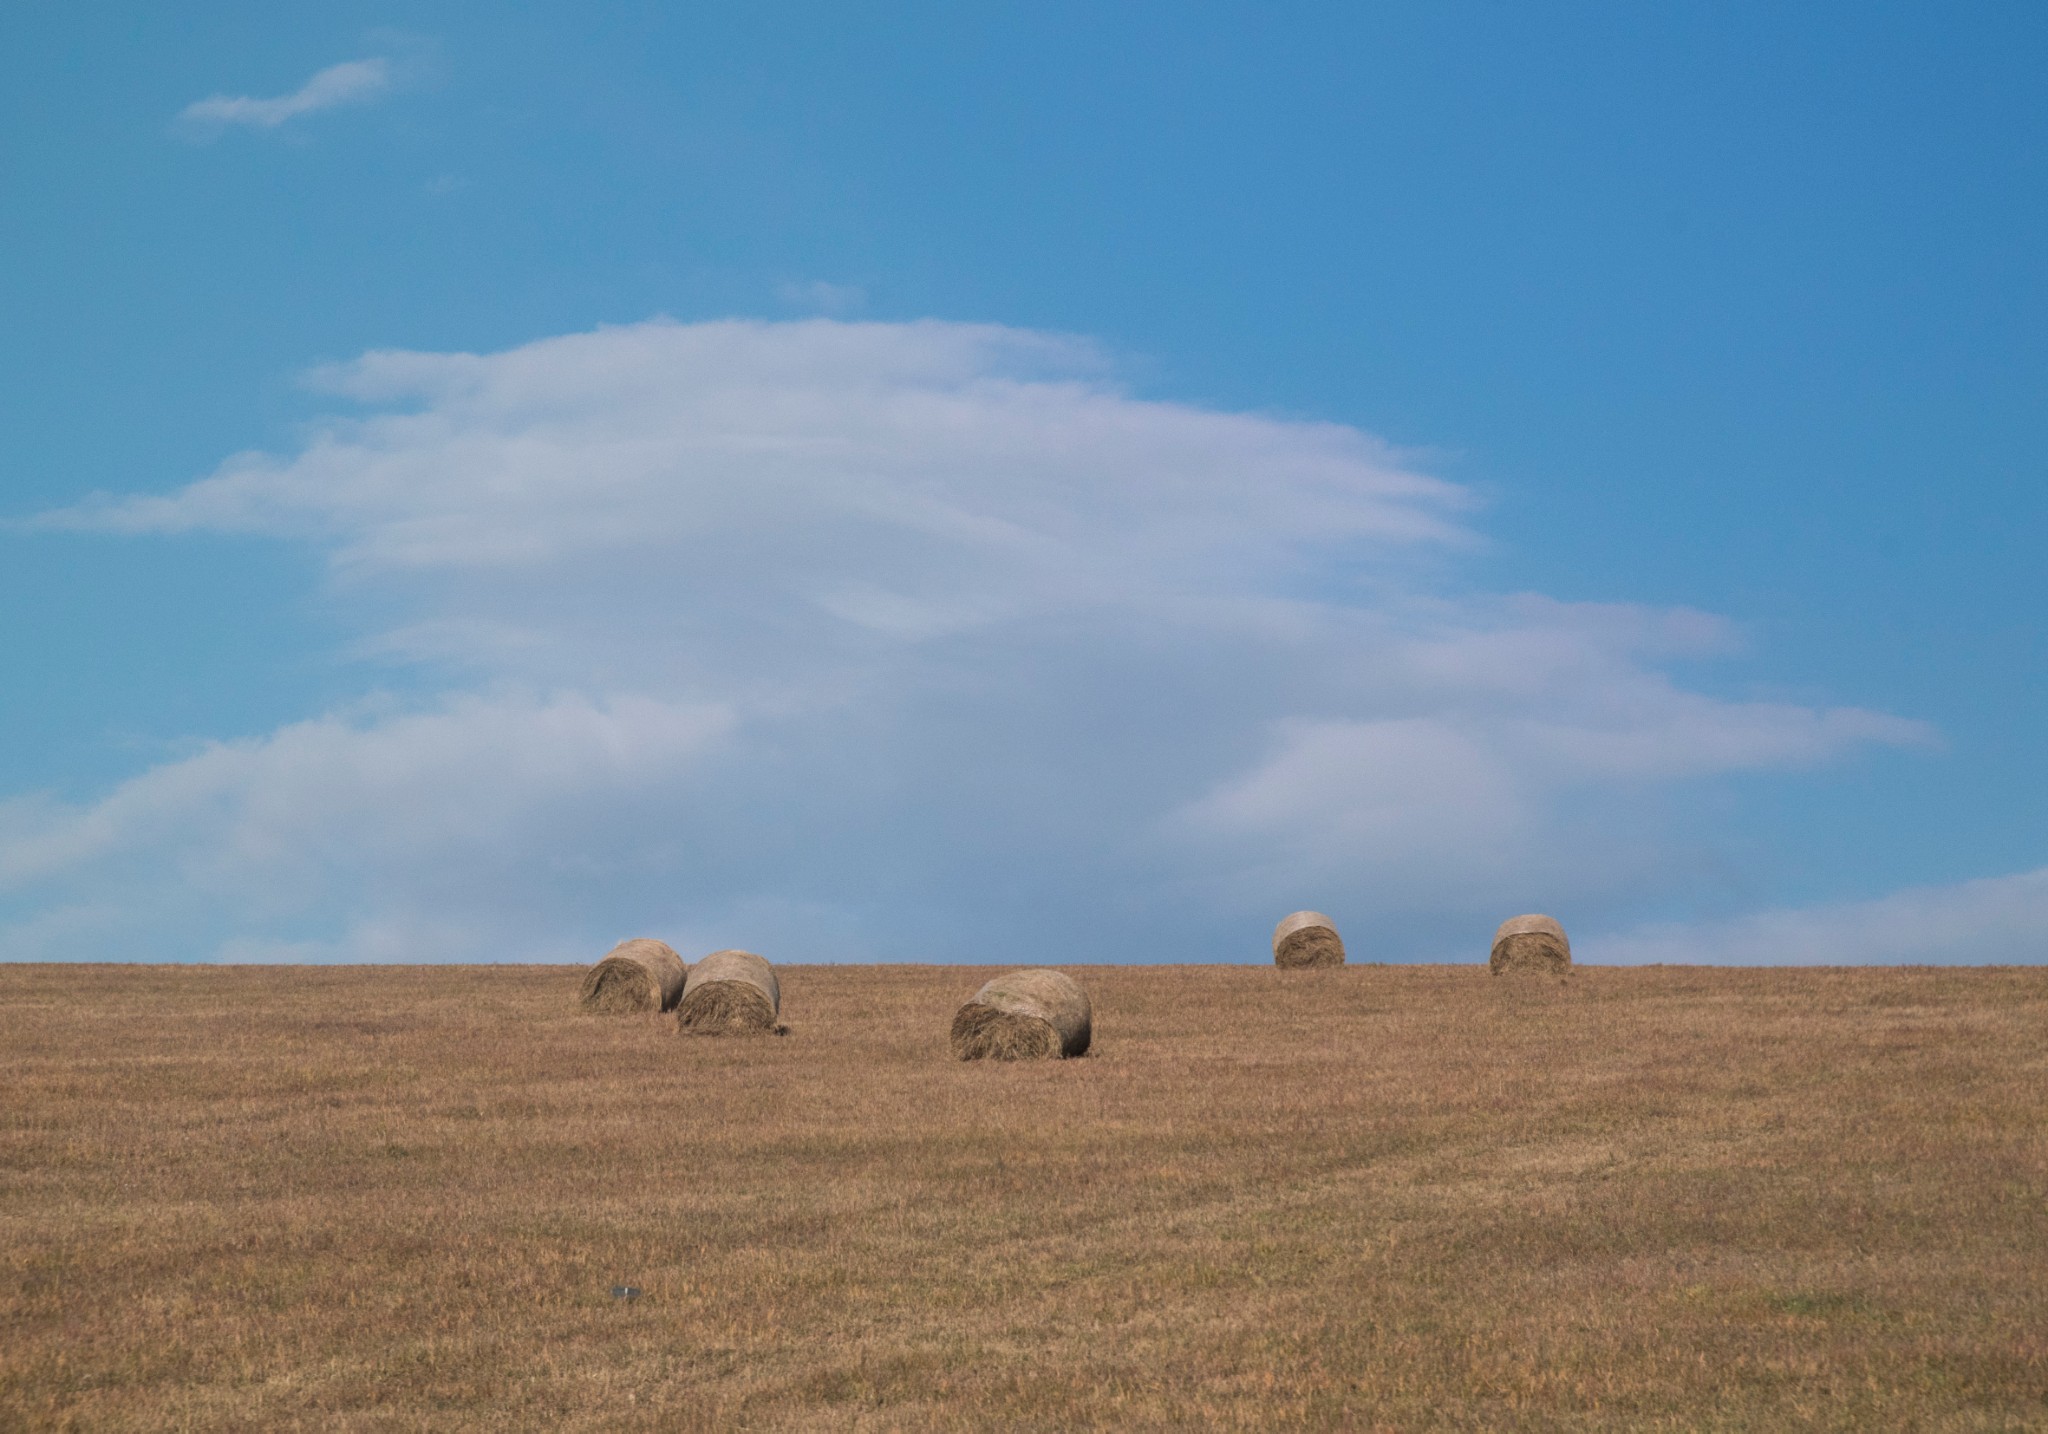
(399, 1198)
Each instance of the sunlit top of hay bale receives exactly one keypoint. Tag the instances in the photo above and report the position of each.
(1530, 943)
(1307, 938)
(730, 993)
(1025, 1015)
(637, 975)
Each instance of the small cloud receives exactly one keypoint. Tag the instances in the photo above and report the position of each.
(823, 298)
(349, 83)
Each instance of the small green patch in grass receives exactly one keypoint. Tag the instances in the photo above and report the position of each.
(1817, 1305)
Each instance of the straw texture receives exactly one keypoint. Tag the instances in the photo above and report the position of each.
(637, 975)
(1305, 939)
(1025, 1015)
(729, 993)
(1530, 943)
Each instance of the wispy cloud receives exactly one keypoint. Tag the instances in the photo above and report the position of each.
(894, 639)
(352, 82)
(1999, 919)
(820, 297)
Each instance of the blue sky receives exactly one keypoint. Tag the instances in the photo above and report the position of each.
(1022, 482)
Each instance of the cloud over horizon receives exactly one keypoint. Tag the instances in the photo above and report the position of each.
(1999, 920)
(922, 640)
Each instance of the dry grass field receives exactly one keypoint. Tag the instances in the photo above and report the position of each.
(1408, 1198)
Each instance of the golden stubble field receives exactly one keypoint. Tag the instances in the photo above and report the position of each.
(399, 1198)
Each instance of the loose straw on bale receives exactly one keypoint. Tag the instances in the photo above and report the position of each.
(637, 975)
(1530, 943)
(729, 993)
(1307, 938)
(1026, 1015)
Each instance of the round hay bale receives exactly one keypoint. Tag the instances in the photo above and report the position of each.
(1026, 1015)
(1530, 943)
(637, 975)
(729, 993)
(1307, 938)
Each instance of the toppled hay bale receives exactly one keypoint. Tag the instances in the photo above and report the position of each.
(637, 975)
(1531, 943)
(729, 993)
(1026, 1015)
(1307, 938)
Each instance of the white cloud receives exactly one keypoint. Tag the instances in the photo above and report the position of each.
(1994, 920)
(981, 456)
(351, 82)
(446, 811)
(1400, 796)
(1503, 724)
(898, 639)
(402, 788)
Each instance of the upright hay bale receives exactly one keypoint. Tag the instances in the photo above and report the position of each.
(729, 993)
(1307, 938)
(637, 975)
(1531, 943)
(1026, 1015)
